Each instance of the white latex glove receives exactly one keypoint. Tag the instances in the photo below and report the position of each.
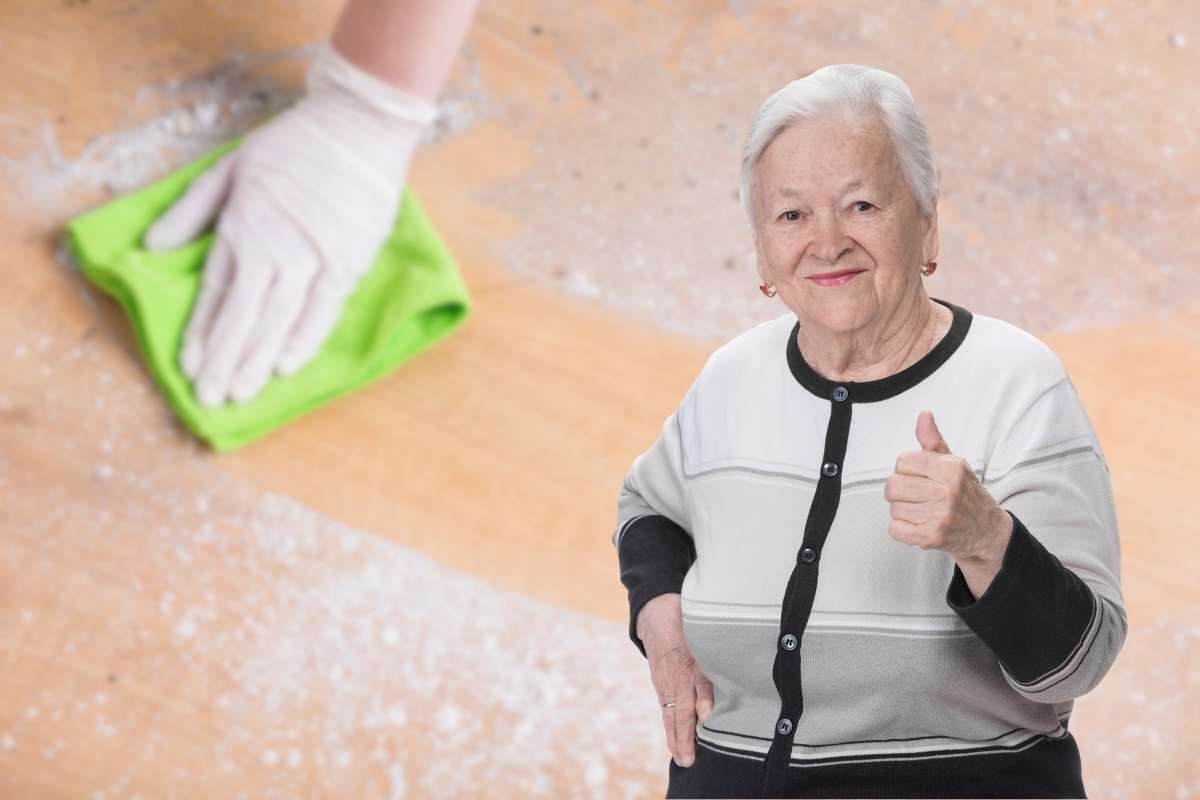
(308, 199)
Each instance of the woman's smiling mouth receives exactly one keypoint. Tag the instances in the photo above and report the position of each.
(835, 278)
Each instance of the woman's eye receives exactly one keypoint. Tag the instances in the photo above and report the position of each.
(791, 216)
(862, 205)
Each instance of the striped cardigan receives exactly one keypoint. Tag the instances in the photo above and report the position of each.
(845, 663)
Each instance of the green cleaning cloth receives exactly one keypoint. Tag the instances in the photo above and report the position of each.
(411, 297)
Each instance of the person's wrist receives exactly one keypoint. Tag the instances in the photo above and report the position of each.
(359, 140)
(653, 610)
(331, 73)
(980, 569)
(1001, 529)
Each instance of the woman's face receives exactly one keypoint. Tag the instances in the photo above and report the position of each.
(829, 197)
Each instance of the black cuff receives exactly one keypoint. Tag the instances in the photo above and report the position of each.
(654, 554)
(1033, 615)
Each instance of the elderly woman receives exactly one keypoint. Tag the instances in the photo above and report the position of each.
(874, 551)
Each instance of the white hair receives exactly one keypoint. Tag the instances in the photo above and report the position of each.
(856, 88)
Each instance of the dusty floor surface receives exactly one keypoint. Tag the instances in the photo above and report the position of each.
(413, 593)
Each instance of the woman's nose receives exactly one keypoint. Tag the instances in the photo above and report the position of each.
(829, 241)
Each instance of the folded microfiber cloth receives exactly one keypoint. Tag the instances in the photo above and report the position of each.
(411, 297)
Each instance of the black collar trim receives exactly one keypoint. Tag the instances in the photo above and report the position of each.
(892, 385)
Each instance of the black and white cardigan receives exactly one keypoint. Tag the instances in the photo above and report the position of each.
(766, 485)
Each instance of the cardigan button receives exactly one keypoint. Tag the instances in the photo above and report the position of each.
(808, 555)
(789, 641)
(829, 469)
(841, 393)
(784, 726)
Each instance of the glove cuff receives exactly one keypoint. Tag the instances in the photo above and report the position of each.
(332, 72)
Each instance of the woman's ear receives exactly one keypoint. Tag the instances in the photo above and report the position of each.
(760, 261)
(929, 247)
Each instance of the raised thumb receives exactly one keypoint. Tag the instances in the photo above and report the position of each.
(928, 434)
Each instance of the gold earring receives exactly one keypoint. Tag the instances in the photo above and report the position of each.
(929, 268)
(769, 291)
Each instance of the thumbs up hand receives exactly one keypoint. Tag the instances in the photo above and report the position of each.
(938, 503)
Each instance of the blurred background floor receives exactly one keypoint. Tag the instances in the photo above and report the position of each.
(413, 592)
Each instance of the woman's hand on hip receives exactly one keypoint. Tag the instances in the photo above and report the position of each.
(675, 674)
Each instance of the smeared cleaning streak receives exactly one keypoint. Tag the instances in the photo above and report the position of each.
(202, 112)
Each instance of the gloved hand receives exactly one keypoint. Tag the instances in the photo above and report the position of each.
(309, 197)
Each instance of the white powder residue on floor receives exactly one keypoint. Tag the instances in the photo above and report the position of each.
(1137, 729)
(1060, 209)
(318, 655)
(295, 651)
(198, 114)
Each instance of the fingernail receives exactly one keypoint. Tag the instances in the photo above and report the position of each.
(686, 761)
